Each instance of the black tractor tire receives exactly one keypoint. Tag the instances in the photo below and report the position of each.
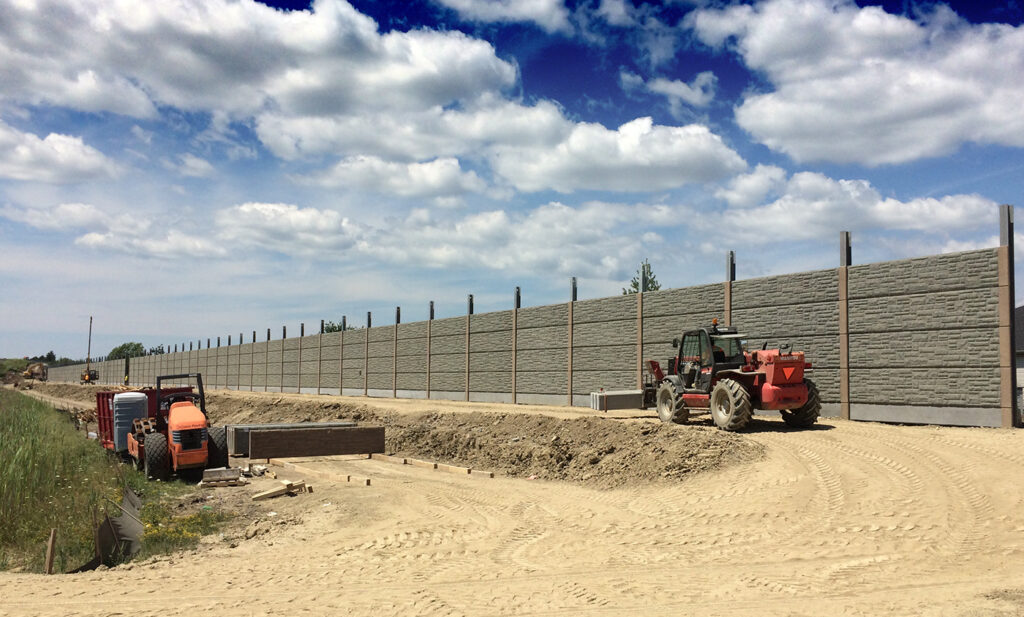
(671, 407)
(806, 415)
(216, 447)
(158, 460)
(730, 405)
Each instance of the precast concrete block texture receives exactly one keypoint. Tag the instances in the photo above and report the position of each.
(971, 347)
(448, 344)
(605, 309)
(585, 382)
(603, 358)
(490, 381)
(676, 303)
(604, 333)
(543, 360)
(961, 308)
(491, 322)
(974, 269)
(542, 316)
(382, 333)
(330, 353)
(490, 361)
(491, 341)
(412, 381)
(542, 382)
(448, 381)
(412, 348)
(310, 347)
(449, 326)
(415, 329)
(787, 289)
(544, 337)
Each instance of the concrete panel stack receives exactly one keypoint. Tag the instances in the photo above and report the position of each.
(330, 366)
(924, 341)
(801, 310)
(244, 381)
(542, 355)
(309, 361)
(273, 365)
(290, 365)
(380, 363)
(353, 362)
(259, 366)
(448, 358)
(604, 346)
(411, 363)
(490, 357)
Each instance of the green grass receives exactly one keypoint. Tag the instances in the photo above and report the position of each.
(51, 477)
(12, 364)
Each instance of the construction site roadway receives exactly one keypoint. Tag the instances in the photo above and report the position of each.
(845, 519)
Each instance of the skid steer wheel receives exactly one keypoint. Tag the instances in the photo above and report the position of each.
(157, 464)
(671, 407)
(730, 405)
(217, 447)
(807, 415)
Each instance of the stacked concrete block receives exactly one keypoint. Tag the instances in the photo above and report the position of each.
(542, 354)
(309, 361)
(330, 367)
(244, 366)
(411, 360)
(924, 341)
(353, 354)
(448, 358)
(259, 366)
(380, 364)
(490, 357)
(604, 343)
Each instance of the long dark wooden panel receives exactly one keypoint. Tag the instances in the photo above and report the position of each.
(271, 443)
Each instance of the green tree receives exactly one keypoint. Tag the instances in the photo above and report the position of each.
(51, 357)
(330, 326)
(634, 284)
(126, 350)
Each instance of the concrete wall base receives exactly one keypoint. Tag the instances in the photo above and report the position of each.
(490, 397)
(912, 414)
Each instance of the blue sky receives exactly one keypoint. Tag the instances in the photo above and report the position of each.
(184, 170)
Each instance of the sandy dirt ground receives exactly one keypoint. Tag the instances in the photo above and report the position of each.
(846, 519)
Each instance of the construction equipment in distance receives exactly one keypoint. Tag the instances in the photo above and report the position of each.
(713, 371)
(179, 439)
(36, 370)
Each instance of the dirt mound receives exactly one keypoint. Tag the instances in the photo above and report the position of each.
(72, 392)
(599, 452)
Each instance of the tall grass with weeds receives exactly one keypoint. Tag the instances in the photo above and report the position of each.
(52, 477)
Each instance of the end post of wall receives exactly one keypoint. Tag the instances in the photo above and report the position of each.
(1007, 336)
(843, 277)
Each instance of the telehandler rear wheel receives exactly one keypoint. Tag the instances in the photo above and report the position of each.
(671, 407)
(807, 415)
(730, 405)
(158, 464)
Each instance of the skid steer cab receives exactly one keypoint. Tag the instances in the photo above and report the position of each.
(713, 372)
(179, 439)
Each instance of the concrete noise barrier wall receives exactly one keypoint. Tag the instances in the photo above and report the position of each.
(925, 340)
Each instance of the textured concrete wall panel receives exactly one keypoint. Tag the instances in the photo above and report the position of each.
(309, 367)
(800, 319)
(412, 364)
(542, 382)
(969, 308)
(604, 358)
(291, 355)
(447, 363)
(448, 344)
(605, 309)
(972, 347)
(604, 333)
(352, 350)
(490, 361)
(415, 329)
(330, 367)
(380, 381)
(543, 360)
(549, 337)
(491, 341)
(491, 322)
(448, 382)
(685, 301)
(382, 349)
(382, 333)
(412, 381)
(449, 326)
(415, 347)
(310, 347)
(380, 365)
(329, 352)
(585, 382)
(291, 343)
(786, 290)
(488, 381)
(926, 274)
(951, 387)
(542, 316)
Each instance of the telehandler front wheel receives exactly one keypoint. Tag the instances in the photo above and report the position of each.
(671, 407)
(730, 405)
(157, 464)
(806, 415)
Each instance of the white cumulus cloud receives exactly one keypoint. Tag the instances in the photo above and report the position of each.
(883, 88)
(441, 177)
(638, 156)
(551, 15)
(55, 158)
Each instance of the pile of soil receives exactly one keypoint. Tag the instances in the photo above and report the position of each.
(596, 451)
